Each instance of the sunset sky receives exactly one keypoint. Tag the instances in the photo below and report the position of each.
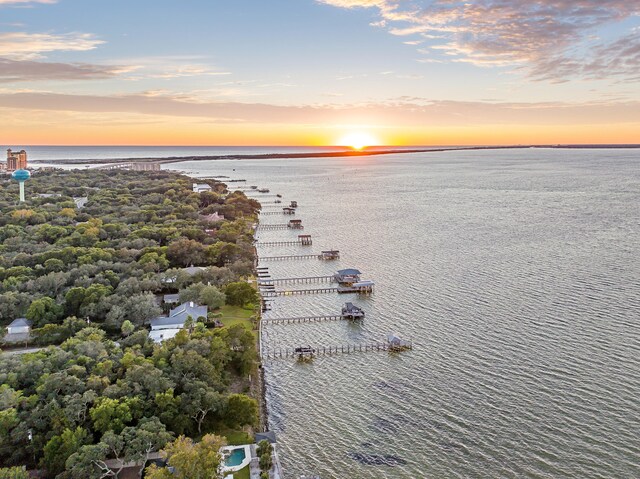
(310, 72)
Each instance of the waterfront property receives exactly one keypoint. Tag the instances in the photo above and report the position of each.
(364, 286)
(19, 330)
(347, 276)
(351, 311)
(201, 187)
(166, 327)
(235, 458)
(295, 224)
(330, 254)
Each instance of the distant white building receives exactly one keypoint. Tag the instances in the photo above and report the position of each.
(166, 327)
(19, 326)
(201, 187)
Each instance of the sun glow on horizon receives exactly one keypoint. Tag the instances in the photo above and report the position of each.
(358, 140)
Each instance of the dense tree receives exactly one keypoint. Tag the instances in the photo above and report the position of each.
(240, 293)
(241, 411)
(185, 252)
(90, 274)
(59, 448)
(43, 311)
(14, 473)
(212, 297)
(127, 328)
(190, 460)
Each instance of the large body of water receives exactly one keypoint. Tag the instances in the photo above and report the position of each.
(517, 276)
(57, 153)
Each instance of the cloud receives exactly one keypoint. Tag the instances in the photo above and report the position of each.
(12, 71)
(28, 46)
(401, 112)
(25, 2)
(549, 39)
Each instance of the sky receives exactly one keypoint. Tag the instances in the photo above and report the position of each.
(319, 72)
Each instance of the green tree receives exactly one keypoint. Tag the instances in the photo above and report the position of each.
(127, 328)
(185, 252)
(191, 293)
(59, 448)
(201, 400)
(44, 311)
(240, 293)
(110, 414)
(241, 411)
(190, 460)
(212, 297)
(89, 463)
(14, 473)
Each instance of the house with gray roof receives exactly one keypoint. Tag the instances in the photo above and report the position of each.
(19, 326)
(19, 330)
(166, 327)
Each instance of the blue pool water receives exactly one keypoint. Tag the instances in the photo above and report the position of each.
(235, 458)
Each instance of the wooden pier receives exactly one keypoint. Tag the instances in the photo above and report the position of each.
(282, 243)
(292, 257)
(304, 279)
(268, 227)
(295, 353)
(263, 213)
(304, 319)
(303, 240)
(294, 292)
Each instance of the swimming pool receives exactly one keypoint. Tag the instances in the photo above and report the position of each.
(236, 458)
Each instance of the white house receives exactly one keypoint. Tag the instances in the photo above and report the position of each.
(19, 326)
(201, 187)
(166, 327)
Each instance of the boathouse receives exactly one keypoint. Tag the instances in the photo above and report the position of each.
(351, 311)
(396, 343)
(347, 276)
(305, 240)
(295, 224)
(329, 255)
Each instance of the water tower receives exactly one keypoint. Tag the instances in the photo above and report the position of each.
(21, 176)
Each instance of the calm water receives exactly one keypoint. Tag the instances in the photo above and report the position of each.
(517, 276)
(53, 153)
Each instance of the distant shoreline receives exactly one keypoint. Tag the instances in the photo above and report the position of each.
(331, 154)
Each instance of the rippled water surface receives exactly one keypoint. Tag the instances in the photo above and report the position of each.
(517, 276)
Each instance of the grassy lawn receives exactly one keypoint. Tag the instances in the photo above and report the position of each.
(237, 438)
(243, 473)
(232, 315)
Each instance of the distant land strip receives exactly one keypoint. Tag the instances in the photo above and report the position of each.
(328, 154)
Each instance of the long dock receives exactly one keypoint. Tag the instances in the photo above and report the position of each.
(304, 279)
(304, 319)
(333, 350)
(264, 213)
(293, 292)
(307, 242)
(282, 226)
(291, 257)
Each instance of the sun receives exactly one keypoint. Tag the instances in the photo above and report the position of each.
(358, 140)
